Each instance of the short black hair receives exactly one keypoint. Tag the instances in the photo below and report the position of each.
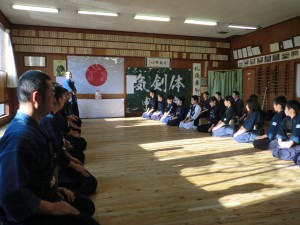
(153, 91)
(30, 81)
(195, 97)
(230, 99)
(170, 97)
(280, 100)
(236, 93)
(213, 99)
(293, 104)
(206, 92)
(218, 93)
(182, 99)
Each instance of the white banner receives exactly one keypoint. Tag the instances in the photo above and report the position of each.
(96, 73)
(197, 79)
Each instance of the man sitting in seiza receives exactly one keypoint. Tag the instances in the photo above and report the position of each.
(28, 165)
(213, 117)
(152, 106)
(161, 107)
(263, 141)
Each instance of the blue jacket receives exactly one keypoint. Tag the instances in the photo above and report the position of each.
(27, 169)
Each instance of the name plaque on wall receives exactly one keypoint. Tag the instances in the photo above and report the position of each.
(35, 61)
(158, 62)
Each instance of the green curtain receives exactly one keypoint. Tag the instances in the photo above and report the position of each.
(225, 82)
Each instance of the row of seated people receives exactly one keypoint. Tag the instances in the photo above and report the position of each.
(42, 177)
(229, 123)
(238, 104)
(172, 114)
(64, 129)
(245, 126)
(282, 137)
(168, 113)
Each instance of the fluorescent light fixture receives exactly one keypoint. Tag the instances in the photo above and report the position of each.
(242, 27)
(97, 13)
(201, 22)
(154, 18)
(34, 8)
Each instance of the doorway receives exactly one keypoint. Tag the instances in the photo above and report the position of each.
(248, 83)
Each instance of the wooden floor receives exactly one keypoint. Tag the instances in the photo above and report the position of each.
(151, 174)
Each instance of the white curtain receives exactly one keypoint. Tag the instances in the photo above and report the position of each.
(2, 38)
(9, 62)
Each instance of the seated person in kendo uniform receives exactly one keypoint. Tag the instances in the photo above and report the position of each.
(252, 125)
(205, 105)
(170, 110)
(192, 118)
(287, 144)
(228, 123)
(71, 173)
(152, 106)
(263, 141)
(213, 117)
(161, 107)
(29, 192)
(220, 105)
(238, 104)
(179, 114)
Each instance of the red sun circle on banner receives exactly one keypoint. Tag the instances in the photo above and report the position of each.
(96, 75)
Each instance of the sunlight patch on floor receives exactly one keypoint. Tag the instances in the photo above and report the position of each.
(122, 119)
(242, 175)
(135, 125)
(176, 149)
(245, 199)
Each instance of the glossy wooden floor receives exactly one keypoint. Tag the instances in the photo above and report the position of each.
(151, 174)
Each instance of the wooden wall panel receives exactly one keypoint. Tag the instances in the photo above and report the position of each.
(274, 79)
(278, 77)
(19, 57)
(265, 36)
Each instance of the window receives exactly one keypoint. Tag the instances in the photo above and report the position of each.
(2, 112)
(2, 40)
(2, 86)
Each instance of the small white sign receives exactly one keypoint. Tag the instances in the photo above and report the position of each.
(235, 54)
(288, 44)
(274, 47)
(297, 41)
(158, 62)
(35, 61)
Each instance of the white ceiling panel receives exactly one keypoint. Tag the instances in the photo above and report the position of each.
(262, 13)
